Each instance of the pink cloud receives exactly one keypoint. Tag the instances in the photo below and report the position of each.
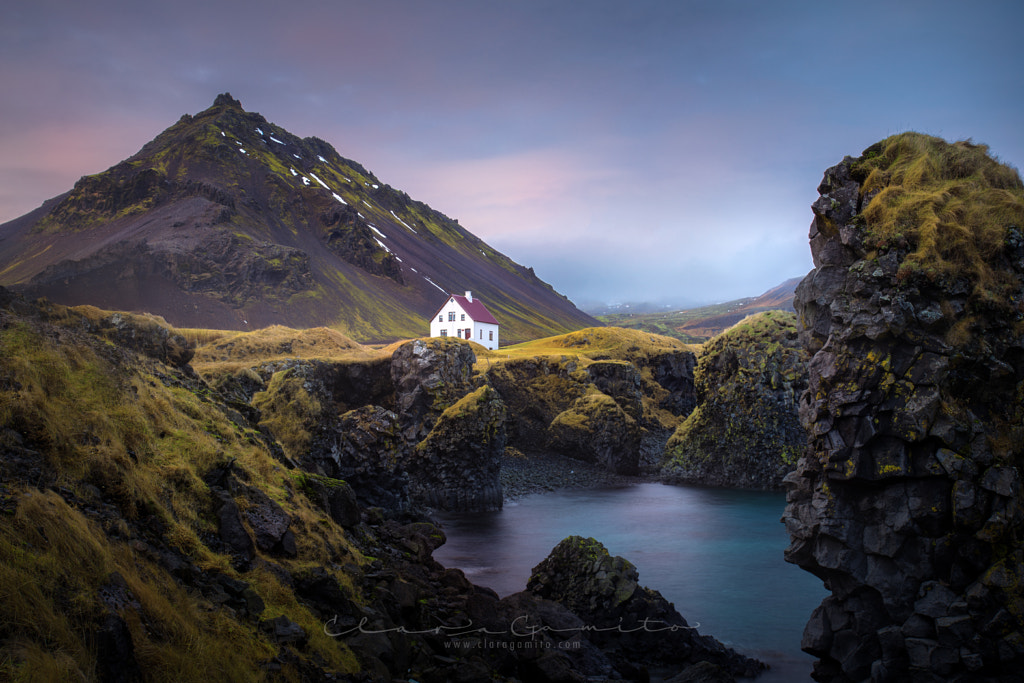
(42, 161)
(516, 196)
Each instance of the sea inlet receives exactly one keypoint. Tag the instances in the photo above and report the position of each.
(715, 553)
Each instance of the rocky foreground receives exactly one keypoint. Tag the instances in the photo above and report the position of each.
(156, 526)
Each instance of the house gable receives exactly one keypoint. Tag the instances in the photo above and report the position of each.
(465, 317)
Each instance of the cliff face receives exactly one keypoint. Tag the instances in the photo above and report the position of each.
(744, 431)
(908, 501)
(609, 396)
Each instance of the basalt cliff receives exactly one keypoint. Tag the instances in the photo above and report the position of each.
(908, 502)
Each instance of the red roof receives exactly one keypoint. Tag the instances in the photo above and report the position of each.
(475, 309)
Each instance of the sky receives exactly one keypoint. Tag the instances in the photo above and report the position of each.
(632, 151)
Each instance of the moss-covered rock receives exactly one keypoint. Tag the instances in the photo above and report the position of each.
(595, 429)
(535, 390)
(745, 431)
(458, 465)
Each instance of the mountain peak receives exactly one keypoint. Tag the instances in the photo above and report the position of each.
(227, 220)
(226, 100)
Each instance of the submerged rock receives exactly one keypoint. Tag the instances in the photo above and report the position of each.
(907, 503)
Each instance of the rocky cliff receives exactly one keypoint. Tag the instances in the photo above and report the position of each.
(603, 395)
(154, 527)
(908, 500)
(745, 431)
(413, 427)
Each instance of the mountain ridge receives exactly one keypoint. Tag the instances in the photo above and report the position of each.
(695, 325)
(227, 220)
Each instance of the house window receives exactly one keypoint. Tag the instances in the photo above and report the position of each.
(444, 333)
(440, 318)
(490, 336)
(458, 333)
(481, 334)
(463, 318)
(451, 316)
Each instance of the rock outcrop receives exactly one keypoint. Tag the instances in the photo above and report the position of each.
(908, 500)
(745, 431)
(425, 432)
(429, 375)
(615, 403)
(596, 429)
(458, 465)
(632, 624)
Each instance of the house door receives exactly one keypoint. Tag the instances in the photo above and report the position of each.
(469, 333)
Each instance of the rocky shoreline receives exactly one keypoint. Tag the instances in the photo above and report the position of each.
(525, 474)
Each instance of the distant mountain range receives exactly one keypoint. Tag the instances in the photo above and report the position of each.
(696, 325)
(228, 221)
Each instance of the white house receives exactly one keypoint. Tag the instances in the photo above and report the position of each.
(466, 318)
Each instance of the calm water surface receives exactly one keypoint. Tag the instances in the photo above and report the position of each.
(716, 554)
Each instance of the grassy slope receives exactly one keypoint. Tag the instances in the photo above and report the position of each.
(126, 441)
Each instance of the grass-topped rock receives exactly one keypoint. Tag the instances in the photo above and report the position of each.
(908, 502)
(595, 429)
(745, 431)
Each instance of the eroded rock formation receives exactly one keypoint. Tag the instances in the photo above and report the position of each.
(745, 431)
(908, 500)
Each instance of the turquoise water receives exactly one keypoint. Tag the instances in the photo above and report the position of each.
(715, 553)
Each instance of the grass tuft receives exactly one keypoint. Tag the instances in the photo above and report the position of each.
(951, 206)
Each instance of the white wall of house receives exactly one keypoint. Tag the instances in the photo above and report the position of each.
(453, 321)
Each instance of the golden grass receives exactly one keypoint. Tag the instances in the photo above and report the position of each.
(276, 342)
(949, 205)
(593, 343)
(145, 446)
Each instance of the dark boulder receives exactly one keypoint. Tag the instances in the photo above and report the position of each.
(635, 626)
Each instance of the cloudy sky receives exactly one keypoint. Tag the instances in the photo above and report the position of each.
(633, 150)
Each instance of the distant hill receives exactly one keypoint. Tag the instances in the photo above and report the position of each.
(228, 221)
(696, 325)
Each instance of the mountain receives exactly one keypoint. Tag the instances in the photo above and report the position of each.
(228, 221)
(696, 325)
